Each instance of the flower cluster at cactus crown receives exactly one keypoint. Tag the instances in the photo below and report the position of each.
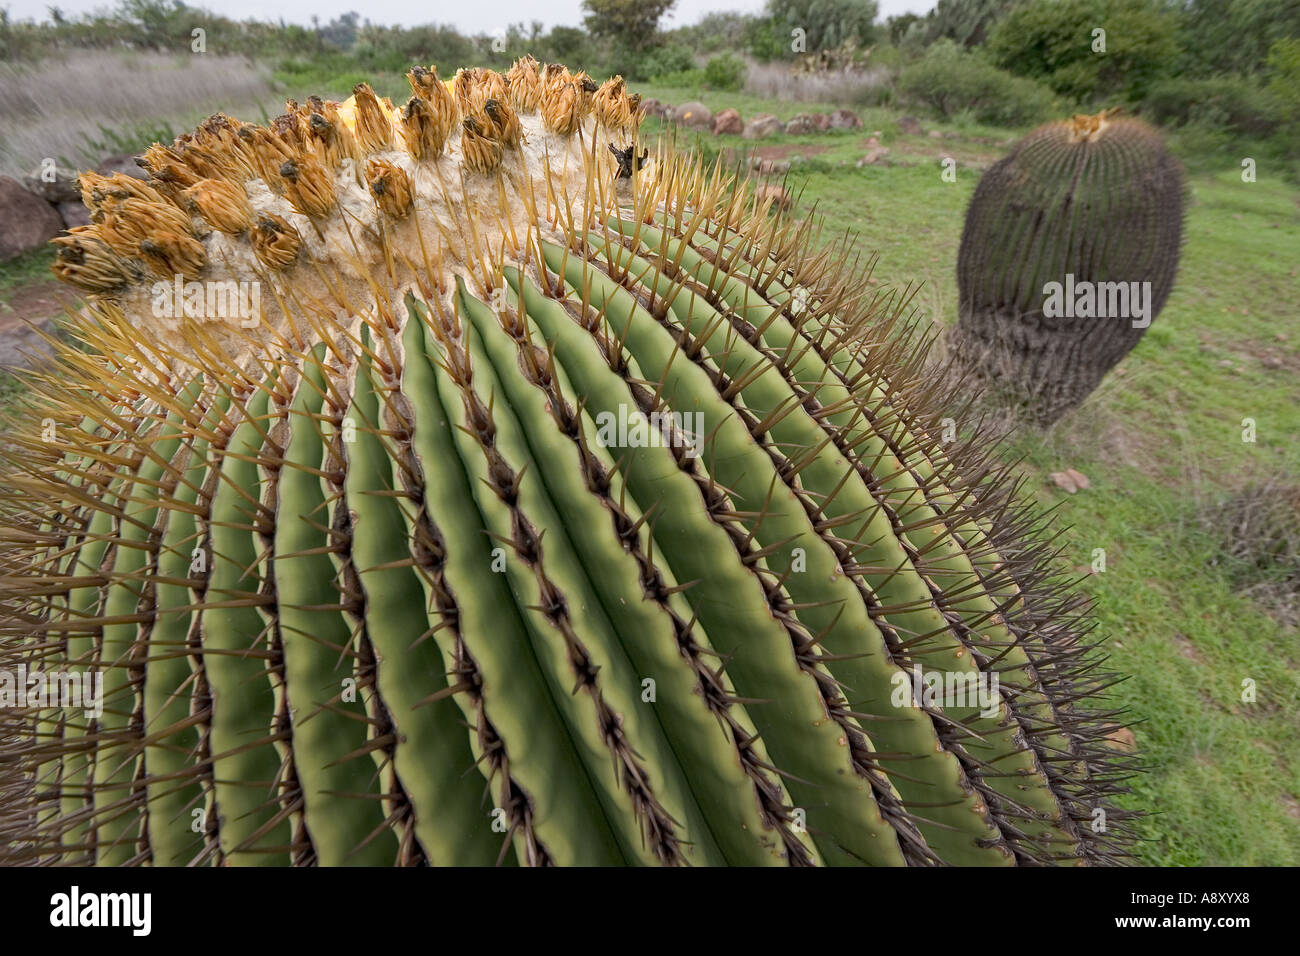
(332, 198)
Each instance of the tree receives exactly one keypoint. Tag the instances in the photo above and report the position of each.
(898, 26)
(1058, 43)
(1234, 36)
(827, 24)
(633, 24)
(965, 21)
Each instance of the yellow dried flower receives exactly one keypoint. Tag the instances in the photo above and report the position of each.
(373, 125)
(503, 123)
(85, 260)
(481, 152)
(223, 204)
(275, 241)
(524, 85)
(391, 187)
(308, 187)
(170, 254)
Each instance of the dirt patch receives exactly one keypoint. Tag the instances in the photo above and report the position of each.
(1292, 806)
(782, 150)
(1187, 648)
(1273, 355)
(33, 304)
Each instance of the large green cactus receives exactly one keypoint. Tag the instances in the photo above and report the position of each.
(553, 509)
(1081, 208)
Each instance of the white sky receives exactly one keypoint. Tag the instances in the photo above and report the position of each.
(467, 17)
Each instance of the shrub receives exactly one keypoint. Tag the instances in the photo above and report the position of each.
(660, 62)
(949, 81)
(1227, 102)
(1053, 42)
(725, 72)
(1284, 85)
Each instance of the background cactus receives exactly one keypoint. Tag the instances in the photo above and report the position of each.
(427, 491)
(1097, 198)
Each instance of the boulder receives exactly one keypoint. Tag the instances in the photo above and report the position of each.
(910, 125)
(779, 195)
(54, 184)
(845, 119)
(728, 121)
(823, 121)
(26, 220)
(765, 124)
(802, 125)
(875, 156)
(653, 107)
(73, 214)
(694, 115)
(124, 164)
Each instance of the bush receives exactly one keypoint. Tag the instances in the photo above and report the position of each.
(1227, 102)
(725, 72)
(692, 79)
(948, 81)
(659, 62)
(1053, 42)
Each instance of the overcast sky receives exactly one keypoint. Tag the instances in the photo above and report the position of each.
(469, 17)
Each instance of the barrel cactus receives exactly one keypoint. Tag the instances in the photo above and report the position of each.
(1069, 251)
(556, 504)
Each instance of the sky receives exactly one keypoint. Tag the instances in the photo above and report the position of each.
(466, 17)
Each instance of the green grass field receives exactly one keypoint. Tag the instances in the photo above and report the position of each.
(1161, 443)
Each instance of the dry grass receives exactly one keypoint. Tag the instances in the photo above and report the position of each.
(776, 82)
(58, 107)
(1259, 530)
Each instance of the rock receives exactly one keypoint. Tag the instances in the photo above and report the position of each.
(873, 141)
(935, 134)
(124, 164)
(766, 167)
(1121, 738)
(874, 156)
(1070, 480)
(26, 220)
(823, 121)
(779, 195)
(653, 107)
(73, 214)
(845, 119)
(729, 122)
(694, 115)
(765, 124)
(57, 185)
(802, 125)
(910, 125)
(24, 346)
(1271, 361)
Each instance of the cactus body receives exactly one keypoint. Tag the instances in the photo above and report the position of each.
(554, 510)
(1093, 205)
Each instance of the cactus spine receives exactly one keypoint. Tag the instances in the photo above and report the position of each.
(451, 477)
(1069, 251)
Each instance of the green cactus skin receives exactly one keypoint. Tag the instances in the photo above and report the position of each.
(1098, 198)
(380, 593)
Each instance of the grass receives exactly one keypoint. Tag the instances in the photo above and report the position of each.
(23, 270)
(1161, 441)
(71, 109)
